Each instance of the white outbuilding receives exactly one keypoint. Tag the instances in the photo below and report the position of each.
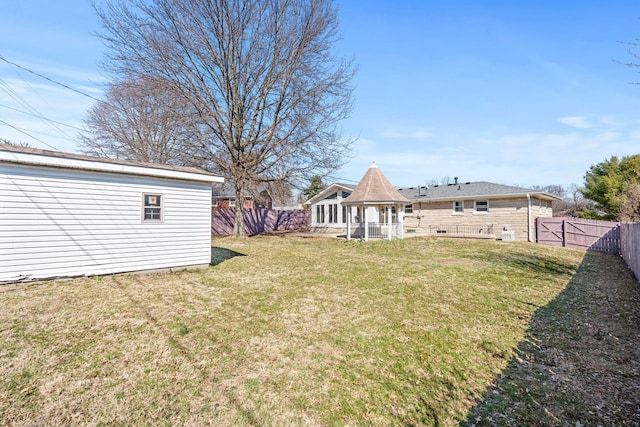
(67, 215)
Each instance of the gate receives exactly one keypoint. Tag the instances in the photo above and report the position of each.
(588, 234)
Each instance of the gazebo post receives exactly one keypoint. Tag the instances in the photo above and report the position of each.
(348, 222)
(400, 231)
(366, 223)
(389, 222)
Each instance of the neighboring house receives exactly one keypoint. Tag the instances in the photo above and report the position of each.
(223, 196)
(64, 215)
(469, 208)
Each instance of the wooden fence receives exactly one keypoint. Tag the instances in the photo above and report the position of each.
(630, 246)
(588, 234)
(257, 221)
(600, 236)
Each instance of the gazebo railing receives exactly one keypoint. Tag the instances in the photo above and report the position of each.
(375, 230)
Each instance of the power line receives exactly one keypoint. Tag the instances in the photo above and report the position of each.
(41, 117)
(48, 78)
(29, 135)
(34, 112)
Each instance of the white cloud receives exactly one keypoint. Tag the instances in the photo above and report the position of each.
(577, 122)
(418, 134)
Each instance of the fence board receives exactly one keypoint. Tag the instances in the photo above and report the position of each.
(587, 234)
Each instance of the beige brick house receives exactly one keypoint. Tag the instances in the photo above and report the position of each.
(481, 209)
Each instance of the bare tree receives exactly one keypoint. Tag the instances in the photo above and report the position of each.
(15, 144)
(139, 120)
(630, 207)
(267, 90)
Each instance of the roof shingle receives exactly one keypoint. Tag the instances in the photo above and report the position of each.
(374, 187)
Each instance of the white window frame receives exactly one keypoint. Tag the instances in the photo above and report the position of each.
(455, 212)
(320, 214)
(232, 201)
(481, 212)
(145, 207)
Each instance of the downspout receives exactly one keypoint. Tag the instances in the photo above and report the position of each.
(529, 234)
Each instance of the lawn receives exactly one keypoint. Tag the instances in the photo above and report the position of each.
(285, 331)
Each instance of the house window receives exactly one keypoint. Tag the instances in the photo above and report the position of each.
(408, 209)
(320, 214)
(458, 208)
(152, 207)
(481, 206)
(333, 213)
(232, 201)
(215, 202)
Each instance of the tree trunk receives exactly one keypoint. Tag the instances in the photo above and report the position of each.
(238, 223)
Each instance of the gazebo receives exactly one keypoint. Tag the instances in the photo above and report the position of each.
(380, 208)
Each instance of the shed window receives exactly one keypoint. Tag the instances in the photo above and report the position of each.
(481, 206)
(458, 208)
(152, 207)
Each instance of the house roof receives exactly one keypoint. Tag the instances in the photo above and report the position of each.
(374, 188)
(466, 190)
(38, 157)
(330, 190)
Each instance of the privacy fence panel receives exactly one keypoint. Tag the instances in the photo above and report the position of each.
(588, 234)
(630, 246)
(550, 231)
(258, 221)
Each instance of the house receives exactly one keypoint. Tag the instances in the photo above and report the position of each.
(472, 208)
(223, 196)
(64, 215)
(461, 208)
(328, 214)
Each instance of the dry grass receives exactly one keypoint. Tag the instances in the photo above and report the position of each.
(283, 331)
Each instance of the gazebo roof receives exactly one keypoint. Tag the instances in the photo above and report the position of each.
(375, 188)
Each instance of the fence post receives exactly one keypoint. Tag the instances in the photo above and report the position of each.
(564, 235)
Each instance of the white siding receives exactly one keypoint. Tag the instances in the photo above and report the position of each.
(64, 222)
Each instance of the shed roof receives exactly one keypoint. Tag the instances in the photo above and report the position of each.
(57, 159)
(375, 188)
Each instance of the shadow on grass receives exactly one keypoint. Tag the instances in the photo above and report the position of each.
(579, 363)
(219, 255)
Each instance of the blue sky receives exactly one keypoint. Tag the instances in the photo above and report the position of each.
(519, 93)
